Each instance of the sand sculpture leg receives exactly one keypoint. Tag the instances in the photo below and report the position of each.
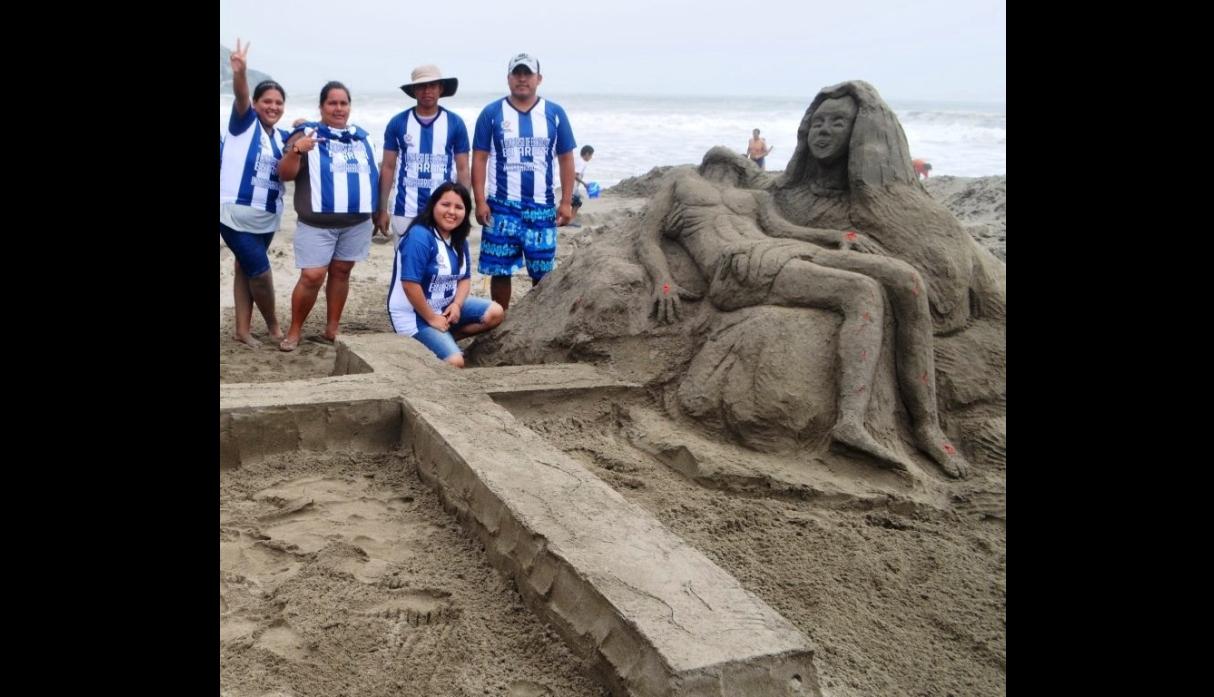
(802, 283)
(914, 357)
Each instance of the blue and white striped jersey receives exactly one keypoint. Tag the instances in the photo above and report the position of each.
(522, 147)
(425, 156)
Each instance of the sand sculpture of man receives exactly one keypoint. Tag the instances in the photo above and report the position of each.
(753, 256)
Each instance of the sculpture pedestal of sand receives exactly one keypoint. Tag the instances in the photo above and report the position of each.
(832, 331)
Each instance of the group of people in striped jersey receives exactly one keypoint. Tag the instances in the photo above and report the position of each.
(521, 148)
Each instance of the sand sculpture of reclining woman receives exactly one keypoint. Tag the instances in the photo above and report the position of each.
(753, 256)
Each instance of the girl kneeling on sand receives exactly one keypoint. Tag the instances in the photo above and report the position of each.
(428, 299)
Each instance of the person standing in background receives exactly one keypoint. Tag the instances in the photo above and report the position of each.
(757, 149)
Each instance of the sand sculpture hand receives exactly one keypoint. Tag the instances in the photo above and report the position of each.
(738, 259)
(856, 242)
(666, 301)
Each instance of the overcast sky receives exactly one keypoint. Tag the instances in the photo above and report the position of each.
(952, 50)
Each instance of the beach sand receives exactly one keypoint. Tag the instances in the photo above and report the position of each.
(979, 203)
(343, 575)
(899, 599)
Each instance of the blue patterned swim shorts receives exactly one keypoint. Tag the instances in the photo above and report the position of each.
(519, 231)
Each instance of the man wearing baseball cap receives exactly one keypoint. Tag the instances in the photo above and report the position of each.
(431, 146)
(517, 138)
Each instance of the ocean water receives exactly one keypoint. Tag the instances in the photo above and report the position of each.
(633, 134)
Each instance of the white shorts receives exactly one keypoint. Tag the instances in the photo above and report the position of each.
(316, 246)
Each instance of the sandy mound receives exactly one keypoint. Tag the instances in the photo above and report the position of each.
(644, 185)
(979, 203)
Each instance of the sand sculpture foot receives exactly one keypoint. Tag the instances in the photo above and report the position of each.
(932, 441)
(856, 437)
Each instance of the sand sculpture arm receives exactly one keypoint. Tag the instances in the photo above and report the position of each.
(666, 293)
(777, 225)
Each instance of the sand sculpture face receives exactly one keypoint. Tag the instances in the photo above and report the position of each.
(830, 129)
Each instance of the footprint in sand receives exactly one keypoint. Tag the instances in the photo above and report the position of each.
(416, 608)
(232, 628)
(246, 559)
(283, 641)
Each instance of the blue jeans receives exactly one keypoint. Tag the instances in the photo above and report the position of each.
(443, 343)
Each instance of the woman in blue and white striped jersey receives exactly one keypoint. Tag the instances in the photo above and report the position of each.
(336, 190)
(250, 194)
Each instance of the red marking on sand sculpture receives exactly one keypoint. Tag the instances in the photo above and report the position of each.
(665, 289)
(850, 235)
(950, 449)
(923, 378)
(868, 317)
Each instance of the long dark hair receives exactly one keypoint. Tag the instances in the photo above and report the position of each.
(460, 234)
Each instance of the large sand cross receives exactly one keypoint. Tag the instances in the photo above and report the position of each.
(657, 616)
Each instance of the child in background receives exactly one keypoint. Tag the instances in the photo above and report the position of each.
(580, 175)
